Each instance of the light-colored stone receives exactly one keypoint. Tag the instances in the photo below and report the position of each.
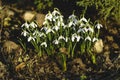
(10, 13)
(10, 46)
(98, 46)
(29, 16)
(40, 19)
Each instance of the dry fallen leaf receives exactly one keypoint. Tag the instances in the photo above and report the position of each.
(20, 66)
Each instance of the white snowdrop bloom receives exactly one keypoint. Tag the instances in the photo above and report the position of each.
(66, 39)
(26, 25)
(44, 28)
(58, 23)
(73, 20)
(90, 29)
(61, 18)
(33, 25)
(55, 12)
(49, 16)
(85, 29)
(56, 28)
(72, 16)
(36, 33)
(31, 38)
(75, 36)
(94, 39)
(61, 37)
(70, 24)
(83, 19)
(42, 34)
(45, 22)
(78, 38)
(65, 26)
(56, 41)
(49, 30)
(88, 38)
(44, 44)
(62, 24)
(80, 30)
(98, 26)
(24, 33)
(82, 24)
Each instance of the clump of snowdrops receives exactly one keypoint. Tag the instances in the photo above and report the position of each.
(66, 39)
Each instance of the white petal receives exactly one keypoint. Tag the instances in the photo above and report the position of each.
(49, 30)
(24, 33)
(44, 44)
(83, 19)
(90, 29)
(94, 39)
(56, 41)
(61, 37)
(70, 24)
(88, 38)
(33, 25)
(26, 25)
(78, 38)
(29, 39)
(98, 26)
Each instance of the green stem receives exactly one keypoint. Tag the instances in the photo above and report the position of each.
(73, 49)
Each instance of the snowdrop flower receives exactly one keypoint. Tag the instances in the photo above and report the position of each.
(31, 38)
(33, 25)
(44, 28)
(58, 23)
(72, 16)
(49, 16)
(55, 12)
(44, 44)
(65, 26)
(75, 36)
(88, 29)
(73, 20)
(94, 39)
(36, 33)
(42, 34)
(88, 38)
(56, 28)
(70, 24)
(81, 30)
(61, 18)
(83, 20)
(98, 26)
(26, 25)
(85, 29)
(24, 33)
(61, 37)
(82, 24)
(66, 39)
(56, 41)
(49, 30)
